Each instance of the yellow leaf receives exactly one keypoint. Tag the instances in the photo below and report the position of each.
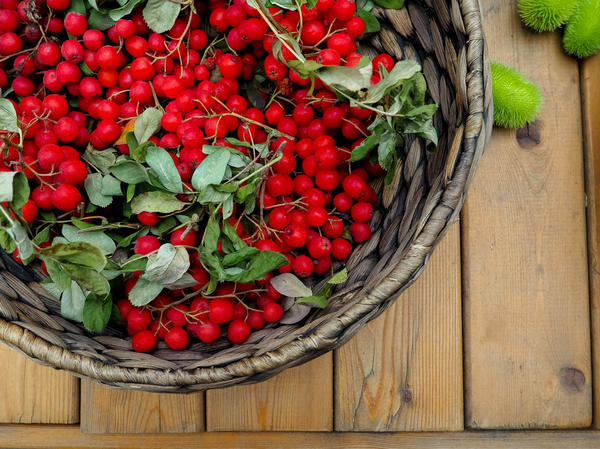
(126, 130)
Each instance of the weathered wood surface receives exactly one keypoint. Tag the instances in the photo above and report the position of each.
(590, 88)
(526, 302)
(31, 393)
(70, 437)
(107, 410)
(300, 398)
(403, 371)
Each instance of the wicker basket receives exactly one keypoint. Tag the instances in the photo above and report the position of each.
(425, 197)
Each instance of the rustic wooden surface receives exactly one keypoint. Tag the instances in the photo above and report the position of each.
(31, 393)
(138, 412)
(299, 399)
(515, 267)
(590, 87)
(526, 302)
(414, 381)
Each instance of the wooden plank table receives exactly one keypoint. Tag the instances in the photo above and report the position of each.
(501, 331)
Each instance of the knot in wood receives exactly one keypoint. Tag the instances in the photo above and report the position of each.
(572, 379)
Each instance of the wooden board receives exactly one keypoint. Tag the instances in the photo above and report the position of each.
(32, 393)
(590, 87)
(403, 371)
(69, 437)
(525, 283)
(300, 398)
(106, 410)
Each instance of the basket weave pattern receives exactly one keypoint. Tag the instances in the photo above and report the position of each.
(423, 200)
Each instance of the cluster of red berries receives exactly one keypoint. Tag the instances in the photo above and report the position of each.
(84, 90)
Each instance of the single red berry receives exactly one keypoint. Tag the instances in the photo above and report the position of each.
(208, 331)
(319, 247)
(184, 236)
(221, 310)
(146, 244)
(73, 171)
(29, 211)
(272, 312)
(66, 197)
(256, 319)
(139, 318)
(362, 212)
(143, 341)
(177, 315)
(360, 232)
(148, 218)
(238, 331)
(340, 248)
(177, 339)
(303, 266)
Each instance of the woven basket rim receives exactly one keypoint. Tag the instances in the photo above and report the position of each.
(323, 337)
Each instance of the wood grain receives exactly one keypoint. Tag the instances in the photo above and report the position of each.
(590, 87)
(70, 437)
(525, 282)
(403, 371)
(298, 399)
(106, 410)
(31, 393)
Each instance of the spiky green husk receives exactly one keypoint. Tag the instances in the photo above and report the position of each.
(582, 33)
(517, 100)
(546, 15)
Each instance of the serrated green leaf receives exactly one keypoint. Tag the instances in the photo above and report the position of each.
(96, 312)
(111, 186)
(8, 117)
(6, 241)
(59, 276)
(263, 263)
(164, 168)
(139, 152)
(211, 170)
(130, 172)
(88, 279)
(371, 23)
(236, 241)
(160, 15)
(130, 192)
(100, 20)
(101, 159)
(390, 4)
(161, 202)
(241, 255)
(402, 71)
(144, 291)
(77, 6)
(77, 253)
(353, 79)
(339, 277)
(14, 189)
(72, 301)
(212, 232)
(320, 301)
(93, 188)
(17, 232)
(124, 10)
(97, 239)
(148, 122)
